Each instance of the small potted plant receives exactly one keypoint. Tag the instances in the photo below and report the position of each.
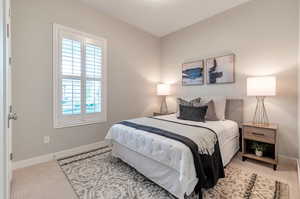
(259, 148)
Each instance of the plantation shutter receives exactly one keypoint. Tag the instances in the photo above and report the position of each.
(93, 63)
(71, 76)
(79, 86)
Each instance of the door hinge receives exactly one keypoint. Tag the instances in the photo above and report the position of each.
(9, 12)
(11, 156)
(11, 116)
(7, 30)
(10, 61)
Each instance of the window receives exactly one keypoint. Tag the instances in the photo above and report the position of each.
(79, 83)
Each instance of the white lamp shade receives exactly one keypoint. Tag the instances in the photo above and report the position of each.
(163, 89)
(261, 86)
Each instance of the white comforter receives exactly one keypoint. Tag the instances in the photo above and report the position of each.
(169, 152)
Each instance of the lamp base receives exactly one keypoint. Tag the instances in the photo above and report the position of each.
(163, 106)
(260, 115)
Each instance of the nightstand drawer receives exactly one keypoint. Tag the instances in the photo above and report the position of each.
(259, 134)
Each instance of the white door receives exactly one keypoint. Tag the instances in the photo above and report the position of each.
(9, 108)
(3, 153)
(5, 100)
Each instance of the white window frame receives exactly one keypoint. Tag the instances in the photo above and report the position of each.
(60, 120)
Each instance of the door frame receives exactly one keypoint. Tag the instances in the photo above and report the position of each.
(4, 181)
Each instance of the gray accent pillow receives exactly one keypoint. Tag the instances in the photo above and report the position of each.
(192, 103)
(219, 106)
(211, 112)
(191, 113)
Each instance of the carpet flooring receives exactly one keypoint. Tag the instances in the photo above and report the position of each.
(98, 175)
(47, 180)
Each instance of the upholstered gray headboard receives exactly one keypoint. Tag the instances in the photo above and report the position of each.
(234, 110)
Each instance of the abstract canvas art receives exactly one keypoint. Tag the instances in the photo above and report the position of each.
(220, 70)
(193, 73)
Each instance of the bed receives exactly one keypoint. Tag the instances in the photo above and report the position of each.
(171, 163)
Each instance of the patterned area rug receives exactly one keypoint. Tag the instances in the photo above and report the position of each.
(98, 175)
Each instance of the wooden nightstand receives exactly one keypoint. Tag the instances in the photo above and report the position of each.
(158, 114)
(261, 133)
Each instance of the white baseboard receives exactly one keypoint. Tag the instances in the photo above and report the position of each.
(287, 159)
(57, 155)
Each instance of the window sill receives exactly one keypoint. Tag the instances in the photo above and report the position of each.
(66, 124)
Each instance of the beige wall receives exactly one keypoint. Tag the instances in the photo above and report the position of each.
(133, 70)
(264, 36)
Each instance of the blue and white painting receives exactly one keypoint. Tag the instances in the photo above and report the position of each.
(193, 73)
(220, 70)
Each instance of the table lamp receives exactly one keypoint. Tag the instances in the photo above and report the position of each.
(261, 87)
(163, 90)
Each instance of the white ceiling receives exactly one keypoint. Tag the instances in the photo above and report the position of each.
(161, 17)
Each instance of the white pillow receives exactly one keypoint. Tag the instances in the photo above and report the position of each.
(220, 105)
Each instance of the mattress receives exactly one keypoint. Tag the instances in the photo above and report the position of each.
(170, 153)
